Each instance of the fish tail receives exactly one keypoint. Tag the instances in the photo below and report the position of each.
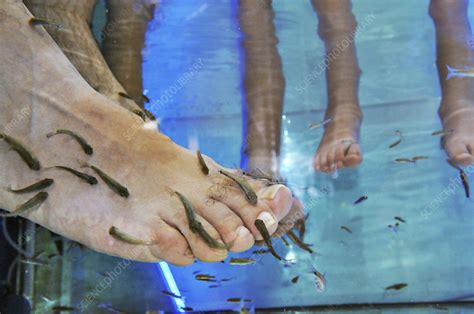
(451, 72)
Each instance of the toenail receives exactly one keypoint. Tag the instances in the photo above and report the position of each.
(268, 219)
(270, 192)
(242, 232)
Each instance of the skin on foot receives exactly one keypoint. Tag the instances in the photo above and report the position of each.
(40, 92)
(339, 146)
(459, 144)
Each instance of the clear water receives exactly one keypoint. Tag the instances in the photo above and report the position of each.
(433, 251)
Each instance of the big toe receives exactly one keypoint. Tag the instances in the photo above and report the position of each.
(459, 152)
(353, 156)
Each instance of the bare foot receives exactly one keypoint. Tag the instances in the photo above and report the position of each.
(339, 146)
(77, 43)
(459, 144)
(37, 75)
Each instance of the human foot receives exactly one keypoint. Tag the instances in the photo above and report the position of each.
(35, 74)
(339, 147)
(77, 43)
(459, 143)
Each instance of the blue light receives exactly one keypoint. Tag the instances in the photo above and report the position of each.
(171, 284)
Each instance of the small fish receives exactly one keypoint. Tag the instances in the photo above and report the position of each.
(202, 163)
(400, 219)
(205, 279)
(171, 294)
(419, 158)
(242, 261)
(465, 183)
(319, 124)
(295, 279)
(140, 113)
(85, 146)
(244, 186)
(298, 242)
(361, 199)
(320, 281)
(24, 153)
(267, 238)
(43, 184)
(112, 184)
(145, 98)
(285, 241)
(404, 160)
(204, 276)
(196, 226)
(259, 174)
(122, 94)
(399, 133)
(122, 236)
(396, 286)
(187, 309)
(238, 300)
(214, 286)
(258, 252)
(452, 72)
(30, 205)
(84, 176)
(346, 229)
(150, 115)
(38, 21)
(442, 132)
(397, 224)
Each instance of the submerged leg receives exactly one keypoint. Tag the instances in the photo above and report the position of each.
(124, 39)
(339, 146)
(52, 95)
(264, 86)
(455, 48)
(76, 41)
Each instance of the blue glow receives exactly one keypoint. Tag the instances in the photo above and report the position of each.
(171, 284)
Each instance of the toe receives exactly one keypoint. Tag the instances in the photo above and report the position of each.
(171, 245)
(353, 157)
(199, 247)
(459, 153)
(323, 161)
(331, 159)
(339, 156)
(316, 164)
(236, 201)
(230, 227)
(278, 197)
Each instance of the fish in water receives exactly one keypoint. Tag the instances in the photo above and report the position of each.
(150, 115)
(122, 94)
(400, 219)
(196, 226)
(61, 308)
(145, 98)
(419, 158)
(346, 229)
(293, 237)
(242, 261)
(465, 183)
(295, 279)
(84, 176)
(27, 156)
(140, 113)
(111, 183)
(244, 186)
(202, 163)
(39, 21)
(404, 160)
(171, 294)
(320, 281)
(258, 252)
(29, 206)
(85, 146)
(206, 278)
(397, 286)
(187, 309)
(399, 133)
(40, 185)
(238, 300)
(452, 72)
(361, 199)
(319, 124)
(442, 132)
(122, 236)
(267, 238)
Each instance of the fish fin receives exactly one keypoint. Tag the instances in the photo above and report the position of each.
(451, 72)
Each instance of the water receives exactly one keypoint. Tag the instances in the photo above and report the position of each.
(432, 252)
